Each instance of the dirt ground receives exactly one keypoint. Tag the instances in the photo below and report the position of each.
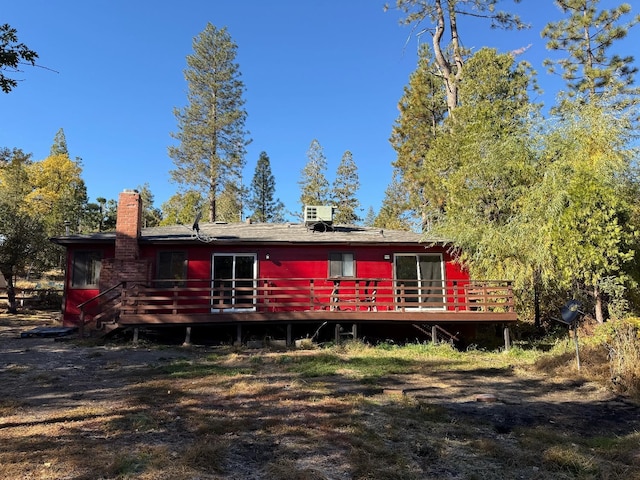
(49, 387)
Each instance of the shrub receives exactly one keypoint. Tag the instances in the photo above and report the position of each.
(621, 338)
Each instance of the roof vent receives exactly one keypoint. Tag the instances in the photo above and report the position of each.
(314, 214)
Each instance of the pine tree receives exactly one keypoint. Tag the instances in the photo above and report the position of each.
(314, 185)
(211, 128)
(344, 189)
(59, 146)
(586, 37)
(370, 218)
(264, 206)
(393, 212)
(422, 111)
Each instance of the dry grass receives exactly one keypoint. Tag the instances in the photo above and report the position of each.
(314, 414)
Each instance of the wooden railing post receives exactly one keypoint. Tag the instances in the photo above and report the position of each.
(312, 294)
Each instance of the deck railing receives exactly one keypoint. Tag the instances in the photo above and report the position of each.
(304, 294)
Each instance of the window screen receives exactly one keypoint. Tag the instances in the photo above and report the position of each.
(86, 269)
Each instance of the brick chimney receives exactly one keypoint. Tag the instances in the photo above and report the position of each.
(128, 225)
(126, 265)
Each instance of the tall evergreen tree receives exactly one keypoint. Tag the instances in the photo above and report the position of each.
(422, 111)
(59, 146)
(262, 201)
(370, 218)
(211, 128)
(395, 205)
(344, 190)
(314, 186)
(586, 38)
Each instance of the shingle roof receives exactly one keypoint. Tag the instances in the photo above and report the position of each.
(260, 233)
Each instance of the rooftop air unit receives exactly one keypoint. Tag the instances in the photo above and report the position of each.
(314, 214)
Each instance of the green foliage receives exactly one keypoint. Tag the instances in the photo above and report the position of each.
(450, 59)
(394, 210)
(59, 146)
(586, 37)
(182, 208)
(12, 55)
(582, 203)
(151, 216)
(621, 338)
(490, 167)
(314, 185)
(422, 111)
(262, 201)
(211, 128)
(344, 190)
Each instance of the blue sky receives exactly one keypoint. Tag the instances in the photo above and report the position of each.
(331, 70)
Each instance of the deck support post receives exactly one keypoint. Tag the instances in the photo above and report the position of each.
(354, 331)
(187, 337)
(136, 334)
(289, 334)
(434, 334)
(507, 338)
(337, 333)
(239, 334)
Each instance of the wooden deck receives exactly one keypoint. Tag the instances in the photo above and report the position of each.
(237, 301)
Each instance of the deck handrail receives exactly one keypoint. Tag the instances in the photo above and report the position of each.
(333, 294)
(81, 306)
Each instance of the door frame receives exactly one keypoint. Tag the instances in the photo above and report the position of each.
(254, 280)
(419, 286)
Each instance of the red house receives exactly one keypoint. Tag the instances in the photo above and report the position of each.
(259, 278)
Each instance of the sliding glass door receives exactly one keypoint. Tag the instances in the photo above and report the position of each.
(419, 280)
(234, 281)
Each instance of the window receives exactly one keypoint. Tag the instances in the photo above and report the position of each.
(172, 266)
(86, 269)
(341, 265)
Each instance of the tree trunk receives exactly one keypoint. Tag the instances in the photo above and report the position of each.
(597, 295)
(12, 304)
(536, 298)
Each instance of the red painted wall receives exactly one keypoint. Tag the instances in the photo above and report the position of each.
(285, 262)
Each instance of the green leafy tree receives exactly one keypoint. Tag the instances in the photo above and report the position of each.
(211, 128)
(182, 208)
(582, 203)
(12, 55)
(344, 190)
(443, 14)
(586, 37)
(313, 183)
(262, 201)
(59, 194)
(151, 216)
(21, 240)
(22, 235)
(495, 165)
